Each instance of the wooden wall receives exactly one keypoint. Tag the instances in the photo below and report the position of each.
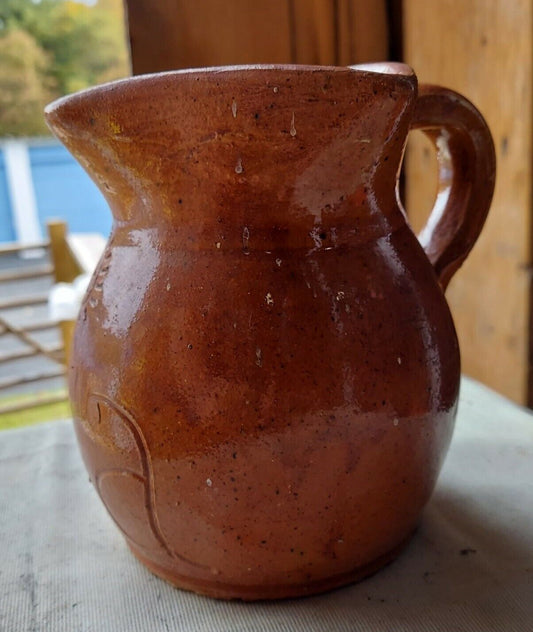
(170, 34)
(483, 48)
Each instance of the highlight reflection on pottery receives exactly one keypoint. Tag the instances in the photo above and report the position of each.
(265, 372)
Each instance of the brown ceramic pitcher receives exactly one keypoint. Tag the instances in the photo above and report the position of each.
(265, 372)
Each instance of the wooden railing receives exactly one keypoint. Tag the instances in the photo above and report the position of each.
(20, 336)
(34, 348)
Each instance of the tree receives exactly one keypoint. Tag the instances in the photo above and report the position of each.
(85, 43)
(74, 45)
(23, 85)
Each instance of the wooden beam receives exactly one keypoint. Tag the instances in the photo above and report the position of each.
(483, 49)
(11, 381)
(12, 248)
(23, 301)
(21, 274)
(62, 396)
(9, 356)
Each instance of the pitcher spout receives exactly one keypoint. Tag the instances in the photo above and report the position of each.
(89, 125)
(305, 140)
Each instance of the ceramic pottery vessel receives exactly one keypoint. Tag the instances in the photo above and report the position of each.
(265, 372)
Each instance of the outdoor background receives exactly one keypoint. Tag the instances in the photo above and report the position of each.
(48, 48)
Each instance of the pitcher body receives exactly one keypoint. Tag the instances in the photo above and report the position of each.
(265, 372)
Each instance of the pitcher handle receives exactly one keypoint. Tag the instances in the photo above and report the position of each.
(467, 164)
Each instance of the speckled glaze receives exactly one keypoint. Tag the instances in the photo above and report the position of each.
(265, 372)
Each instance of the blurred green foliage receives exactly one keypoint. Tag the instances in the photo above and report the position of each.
(50, 48)
(35, 413)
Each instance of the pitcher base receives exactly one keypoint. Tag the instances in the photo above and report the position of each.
(220, 590)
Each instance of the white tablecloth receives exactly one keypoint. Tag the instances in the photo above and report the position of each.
(64, 566)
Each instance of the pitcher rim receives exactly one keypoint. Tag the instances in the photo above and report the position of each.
(379, 69)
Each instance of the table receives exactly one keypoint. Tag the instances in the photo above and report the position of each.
(469, 567)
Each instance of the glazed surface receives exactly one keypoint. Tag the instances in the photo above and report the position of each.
(291, 432)
(265, 371)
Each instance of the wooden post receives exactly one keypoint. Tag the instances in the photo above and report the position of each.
(66, 268)
(72, 255)
(483, 49)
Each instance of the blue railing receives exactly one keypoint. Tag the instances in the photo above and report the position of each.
(61, 189)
